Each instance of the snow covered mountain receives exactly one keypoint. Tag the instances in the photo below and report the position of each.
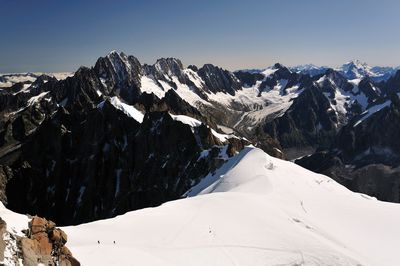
(122, 136)
(276, 214)
(356, 70)
(111, 131)
(309, 69)
(279, 213)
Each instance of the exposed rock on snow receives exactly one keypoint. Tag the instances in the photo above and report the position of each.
(40, 244)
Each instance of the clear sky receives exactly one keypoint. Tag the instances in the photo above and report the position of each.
(61, 35)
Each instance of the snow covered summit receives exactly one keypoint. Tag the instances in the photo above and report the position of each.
(254, 210)
(356, 69)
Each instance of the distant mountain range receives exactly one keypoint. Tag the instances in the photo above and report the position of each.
(351, 70)
(9, 79)
(122, 135)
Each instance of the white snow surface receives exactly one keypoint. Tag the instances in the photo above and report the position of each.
(255, 210)
(192, 122)
(15, 222)
(186, 120)
(372, 110)
(37, 98)
(270, 101)
(127, 109)
(357, 69)
(343, 98)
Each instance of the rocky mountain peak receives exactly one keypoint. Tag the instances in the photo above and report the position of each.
(336, 77)
(278, 66)
(170, 66)
(356, 69)
(218, 79)
(309, 69)
(193, 67)
(355, 63)
(282, 72)
(120, 74)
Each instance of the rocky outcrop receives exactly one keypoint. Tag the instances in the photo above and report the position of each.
(392, 85)
(3, 229)
(365, 155)
(120, 75)
(247, 78)
(309, 121)
(88, 160)
(280, 73)
(375, 179)
(372, 92)
(42, 243)
(165, 68)
(219, 80)
(68, 154)
(373, 139)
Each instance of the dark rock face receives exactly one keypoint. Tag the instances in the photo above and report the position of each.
(268, 144)
(367, 87)
(392, 84)
(121, 74)
(377, 180)
(172, 103)
(247, 78)
(338, 79)
(309, 121)
(72, 157)
(219, 80)
(14, 98)
(317, 115)
(171, 72)
(372, 140)
(63, 170)
(365, 155)
(167, 66)
(282, 73)
(67, 153)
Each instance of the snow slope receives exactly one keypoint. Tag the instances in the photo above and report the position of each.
(129, 110)
(255, 210)
(309, 69)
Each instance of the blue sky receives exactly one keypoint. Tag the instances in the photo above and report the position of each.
(56, 35)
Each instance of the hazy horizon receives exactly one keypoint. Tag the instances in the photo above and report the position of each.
(186, 65)
(55, 36)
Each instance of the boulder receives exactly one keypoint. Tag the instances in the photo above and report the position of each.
(235, 146)
(31, 253)
(50, 226)
(38, 225)
(65, 251)
(68, 261)
(58, 236)
(43, 245)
